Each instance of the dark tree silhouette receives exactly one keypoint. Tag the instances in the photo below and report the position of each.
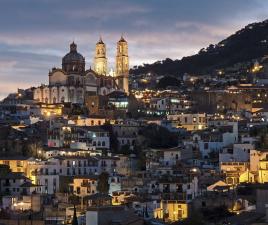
(103, 184)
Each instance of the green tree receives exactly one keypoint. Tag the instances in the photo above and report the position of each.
(103, 183)
(75, 221)
(113, 138)
(125, 150)
(168, 81)
(159, 137)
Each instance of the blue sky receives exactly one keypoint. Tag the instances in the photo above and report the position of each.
(35, 34)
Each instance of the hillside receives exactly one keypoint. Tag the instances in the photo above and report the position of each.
(245, 45)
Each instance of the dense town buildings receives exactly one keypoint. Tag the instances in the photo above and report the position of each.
(93, 145)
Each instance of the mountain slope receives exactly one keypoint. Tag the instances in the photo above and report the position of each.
(245, 45)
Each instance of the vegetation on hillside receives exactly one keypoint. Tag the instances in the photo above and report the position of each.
(245, 45)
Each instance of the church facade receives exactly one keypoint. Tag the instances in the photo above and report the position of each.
(73, 82)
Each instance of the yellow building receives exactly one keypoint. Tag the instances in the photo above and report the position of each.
(91, 121)
(247, 177)
(17, 164)
(121, 197)
(122, 65)
(100, 60)
(48, 110)
(84, 185)
(263, 170)
(233, 171)
(259, 164)
(171, 210)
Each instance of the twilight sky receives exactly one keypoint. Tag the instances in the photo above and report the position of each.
(35, 34)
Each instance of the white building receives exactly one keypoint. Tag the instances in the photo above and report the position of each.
(239, 152)
(190, 122)
(50, 182)
(171, 156)
(72, 136)
(17, 184)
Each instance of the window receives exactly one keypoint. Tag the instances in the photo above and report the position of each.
(6, 162)
(19, 163)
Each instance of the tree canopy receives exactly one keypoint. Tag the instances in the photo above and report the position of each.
(103, 183)
(159, 137)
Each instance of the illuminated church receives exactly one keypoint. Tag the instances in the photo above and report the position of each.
(73, 82)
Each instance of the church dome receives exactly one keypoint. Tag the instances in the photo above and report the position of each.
(73, 61)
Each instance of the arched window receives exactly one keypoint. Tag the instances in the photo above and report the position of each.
(103, 143)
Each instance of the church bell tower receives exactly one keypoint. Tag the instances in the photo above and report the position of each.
(122, 65)
(100, 60)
